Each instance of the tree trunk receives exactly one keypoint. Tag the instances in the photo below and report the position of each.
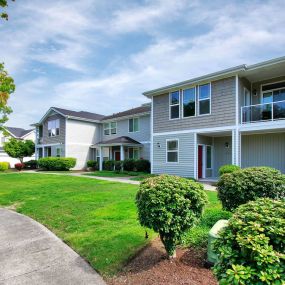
(21, 159)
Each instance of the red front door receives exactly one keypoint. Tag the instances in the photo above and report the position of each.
(117, 156)
(200, 161)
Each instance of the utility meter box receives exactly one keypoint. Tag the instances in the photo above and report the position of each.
(214, 235)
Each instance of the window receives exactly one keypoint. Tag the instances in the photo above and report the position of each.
(273, 92)
(189, 98)
(53, 128)
(110, 128)
(133, 153)
(58, 152)
(133, 125)
(209, 157)
(204, 99)
(174, 102)
(172, 150)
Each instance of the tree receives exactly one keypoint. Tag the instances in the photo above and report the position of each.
(4, 4)
(19, 149)
(170, 205)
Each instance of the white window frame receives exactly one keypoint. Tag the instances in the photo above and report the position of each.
(50, 129)
(134, 118)
(109, 128)
(271, 90)
(172, 105)
(210, 99)
(167, 151)
(134, 148)
(210, 146)
(182, 101)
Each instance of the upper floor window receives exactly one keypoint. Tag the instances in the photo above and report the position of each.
(172, 149)
(133, 125)
(204, 99)
(273, 92)
(110, 128)
(174, 104)
(189, 102)
(53, 128)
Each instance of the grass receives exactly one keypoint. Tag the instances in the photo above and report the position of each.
(104, 173)
(98, 219)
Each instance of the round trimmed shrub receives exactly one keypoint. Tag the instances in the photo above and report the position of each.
(228, 168)
(19, 166)
(251, 249)
(170, 205)
(248, 184)
(4, 166)
(31, 164)
(142, 165)
(92, 164)
(108, 165)
(118, 165)
(129, 164)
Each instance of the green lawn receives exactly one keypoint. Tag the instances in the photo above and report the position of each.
(136, 175)
(96, 218)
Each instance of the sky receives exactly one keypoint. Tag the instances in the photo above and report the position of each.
(100, 56)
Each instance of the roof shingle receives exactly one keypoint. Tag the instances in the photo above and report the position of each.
(18, 132)
(80, 114)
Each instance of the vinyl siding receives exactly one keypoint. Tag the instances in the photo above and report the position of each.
(62, 126)
(222, 110)
(263, 150)
(185, 167)
(123, 130)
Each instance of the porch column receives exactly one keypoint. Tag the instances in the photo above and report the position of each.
(43, 154)
(236, 141)
(122, 152)
(101, 159)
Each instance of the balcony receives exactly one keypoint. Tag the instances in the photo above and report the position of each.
(263, 112)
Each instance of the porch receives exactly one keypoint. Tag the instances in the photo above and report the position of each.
(50, 150)
(117, 149)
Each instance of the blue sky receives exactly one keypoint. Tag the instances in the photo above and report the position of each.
(100, 56)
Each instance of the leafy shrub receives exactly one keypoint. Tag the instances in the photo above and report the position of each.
(93, 164)
(170, 205)
(19, 166)
(57, 163)
(129, 164)
(4, 166)
(142, 165)
(118, 165)
(31, 164)
(228, 168)
(248, 184)
(108, 165)
(251, 249)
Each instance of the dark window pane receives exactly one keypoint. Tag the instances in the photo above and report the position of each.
(189, 102)
(172, 157)
(209, 157)
(204, 107)
(204, 91)
(172, 145)
(279, 95)
(131, 125)
(131, 153)
(174, 112)
(174, 98)
(273, 86)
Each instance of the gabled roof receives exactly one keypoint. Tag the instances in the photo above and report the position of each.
(18, 132)
(120, 140)
(80, 114)
(145, 108)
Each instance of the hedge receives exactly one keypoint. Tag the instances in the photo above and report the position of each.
(93, 164)
(57, 163)
(248, 184)
(251, 249)
(31, 164)
(228, 168)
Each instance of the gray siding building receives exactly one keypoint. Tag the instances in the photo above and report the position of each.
(235, 116)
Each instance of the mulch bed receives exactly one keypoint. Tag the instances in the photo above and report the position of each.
(151, 267)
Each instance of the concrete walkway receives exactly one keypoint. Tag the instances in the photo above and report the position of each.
(30, 254)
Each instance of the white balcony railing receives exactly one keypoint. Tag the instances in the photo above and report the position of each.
(263, 112)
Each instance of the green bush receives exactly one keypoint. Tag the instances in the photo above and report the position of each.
(228, 168)
(118, 165)
(251, 249)
(31, 164)
(129, 164)
(108, 165)
(4, 166)
(248, 184)
(142, 165)
(170, 205)
(93, 164)
(57, 163)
